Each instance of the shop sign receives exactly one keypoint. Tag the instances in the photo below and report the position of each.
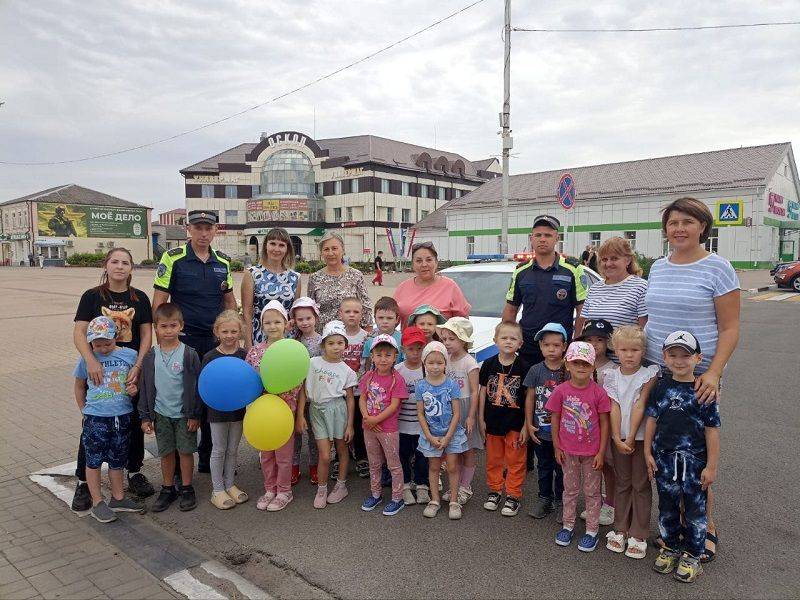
(775, 205)
(729, 212)
(277, 210)
(10, 237)
(349, 173)
(70, 220)
(211, 179)
(793, 210)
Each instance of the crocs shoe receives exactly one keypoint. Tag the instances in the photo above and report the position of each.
(689, 569)
(264, 501)
(511, 507)
(394, 507)
(587, 543)
(280, 502)
(666, 561)
(432, 509)
(370, 503)
(321, 499)
(455, 511)
(564, 537)
(338, 493)
(408, 495)
(423, 494)
(492, 501)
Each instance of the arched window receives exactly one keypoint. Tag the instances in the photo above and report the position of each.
(288, 172)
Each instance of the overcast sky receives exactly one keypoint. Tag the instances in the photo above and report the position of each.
(86, 77)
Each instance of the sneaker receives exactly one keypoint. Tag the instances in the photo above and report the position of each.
(188, 498)
(431, 509)
(82, 500)
(264, 501)
(139, 486)
(606, 515)
(564, 537)
(338, 493)
(362, 468)
(541, 508)
(370, 503)
(321, 499)
(126, 505)
(455, 511)
(103, 513)
(394, 507)
(334, 470)
(689, 569)
(666, 561)
(295, 474)
(423, 494)
(511, 507)
(445, 495)
(166, 496)
(280, 502)
(408, 495)
(587, 543)
(464, 494)
(312, 475)
(492, 501)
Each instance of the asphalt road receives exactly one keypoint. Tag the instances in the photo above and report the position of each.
(353, 554)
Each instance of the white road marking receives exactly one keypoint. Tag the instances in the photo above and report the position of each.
(185, 583)
(245, 587)
(784, 296)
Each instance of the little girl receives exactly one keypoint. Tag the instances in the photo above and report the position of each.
(427, 318)
(276, 465)
(382, 390)
(456, 335)
(305, 316)
(226, 426)
(628, 386)
(438, 411)
(579, 428)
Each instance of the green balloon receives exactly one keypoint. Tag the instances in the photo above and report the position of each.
(284, 366)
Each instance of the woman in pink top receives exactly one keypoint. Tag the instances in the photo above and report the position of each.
(428, 287)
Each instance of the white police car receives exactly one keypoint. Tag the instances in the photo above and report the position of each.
(485, 285)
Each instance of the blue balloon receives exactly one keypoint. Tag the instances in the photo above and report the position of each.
(229, 383)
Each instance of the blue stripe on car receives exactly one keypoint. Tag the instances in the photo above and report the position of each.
(487, 352)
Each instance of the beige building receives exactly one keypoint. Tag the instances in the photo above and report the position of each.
(69, 219)
(369, 189)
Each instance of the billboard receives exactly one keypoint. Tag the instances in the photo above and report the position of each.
(70, 220)
(277, 210)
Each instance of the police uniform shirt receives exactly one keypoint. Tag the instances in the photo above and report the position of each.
(197, 287)
(547, 295)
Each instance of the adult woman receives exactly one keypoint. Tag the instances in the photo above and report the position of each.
(129, 308)
(271, 279)
(698, 291)
(334, 282)
(428, 287)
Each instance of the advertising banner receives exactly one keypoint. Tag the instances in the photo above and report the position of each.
(69, 220)
(277, 210)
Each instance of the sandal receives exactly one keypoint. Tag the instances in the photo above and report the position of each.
(616, 542)
(222, 501)
(238, 495)
(636, 549)
(710, 552)
(432, 509)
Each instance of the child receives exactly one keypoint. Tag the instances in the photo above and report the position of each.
(305, 315)
(438, 408)
(350, 313)
(456, 335)
(597, 332)
(382, 390)
(579, 425)
(628, 387)
(540, 382)
(329, 389)
(226, 426)
(502, 419)
(276, 465)
(387, 316)
(427, 318)
(681, 448)
(170, 405)
(106, 412)
(408, 423)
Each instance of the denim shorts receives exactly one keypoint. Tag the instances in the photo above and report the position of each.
(106, 440)
(458, 445)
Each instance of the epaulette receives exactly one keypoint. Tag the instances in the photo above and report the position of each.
(522, 264)
(222, 255)
(177, 251)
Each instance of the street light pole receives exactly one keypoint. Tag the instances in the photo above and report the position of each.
(505, 124)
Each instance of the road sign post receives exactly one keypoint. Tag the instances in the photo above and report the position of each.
(566, 197)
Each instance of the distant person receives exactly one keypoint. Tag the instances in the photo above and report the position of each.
(60, 225)
(40, 258)
(31, 259)
(378, 279)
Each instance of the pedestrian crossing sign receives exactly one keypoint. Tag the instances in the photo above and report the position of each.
(729, 212)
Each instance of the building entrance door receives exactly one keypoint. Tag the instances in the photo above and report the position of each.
(297, 245)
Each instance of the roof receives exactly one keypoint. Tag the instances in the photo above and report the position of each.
(484, 163)
(75, 194)
(703, 171)
(231, 155)
(176, 211)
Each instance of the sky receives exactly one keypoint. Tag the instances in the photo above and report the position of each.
(86, 77)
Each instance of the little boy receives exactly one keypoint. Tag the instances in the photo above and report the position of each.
(501, 419)
(169, 403)
(106, 412)
(541, 380)
(681, 446)
(387, 316)
(350, 312)
(427, 318)
(408, 424)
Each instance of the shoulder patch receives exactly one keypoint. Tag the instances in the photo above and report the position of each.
(161, 270)
(571, 260)
(176, 251)
(222, 255)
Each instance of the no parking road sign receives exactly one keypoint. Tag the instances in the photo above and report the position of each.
(566, 191)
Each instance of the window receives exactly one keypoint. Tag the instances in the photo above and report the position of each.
(255, 190)
(406, 215)
(232, 217)
(594, 238)
(631, 237)
(405, 188)
(288, 172)
(207, 191)
(712, 243)
(230, 191)
(457, 193)
(337, 187)
(354, 186)
(424, 213)
(423, 190)
(470, 243)
(389, 213)
(441, 193)
(349, 213)
(320, 191)
(384, 186)
(337, 214)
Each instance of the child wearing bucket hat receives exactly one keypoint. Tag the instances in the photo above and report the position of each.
(427, 318)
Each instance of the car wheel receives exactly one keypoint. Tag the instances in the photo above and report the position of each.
(795, 283)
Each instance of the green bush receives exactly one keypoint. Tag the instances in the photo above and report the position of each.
(147, 262)
(237, 265)
(308, 267)
(645, 262)
(86, 259)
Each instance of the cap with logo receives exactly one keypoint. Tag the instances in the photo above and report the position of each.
(101, 328)
(461, 327)
(551, 328)
(202, 216)
(434, 347)
(413, 335)
(598, 327)
(547, 221)
(682, 339)
(334, 328)
(581, 351)
(384, 338)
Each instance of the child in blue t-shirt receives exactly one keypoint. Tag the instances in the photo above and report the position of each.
(106, 412)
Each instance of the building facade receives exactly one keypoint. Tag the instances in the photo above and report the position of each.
(176, 216)
(369, 189)
(752, 192)
(70, 219)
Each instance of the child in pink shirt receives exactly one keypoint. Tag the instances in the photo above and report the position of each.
(580, 424)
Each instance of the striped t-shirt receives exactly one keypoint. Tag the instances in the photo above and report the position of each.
(407, 420)
(682, 297)
(618, 303)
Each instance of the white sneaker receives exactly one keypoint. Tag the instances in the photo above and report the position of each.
(464, 494)
(423, 494)
(606, 515)
(408, 495)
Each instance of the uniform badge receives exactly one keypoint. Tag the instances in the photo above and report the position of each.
(561, 294)
(161, 270)
(223, 286)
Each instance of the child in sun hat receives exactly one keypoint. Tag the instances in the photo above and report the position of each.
(427, 318)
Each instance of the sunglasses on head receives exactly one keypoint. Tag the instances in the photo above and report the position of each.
(418, 245)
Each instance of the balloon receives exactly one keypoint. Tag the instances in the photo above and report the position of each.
(284, 366)
(268, 423)
(228, 383)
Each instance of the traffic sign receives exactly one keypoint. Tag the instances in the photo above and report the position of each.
(566, 191)
(729, 212)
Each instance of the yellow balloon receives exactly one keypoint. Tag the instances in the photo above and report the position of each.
(268, 422)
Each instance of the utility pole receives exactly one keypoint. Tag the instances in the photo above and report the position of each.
(505, 124)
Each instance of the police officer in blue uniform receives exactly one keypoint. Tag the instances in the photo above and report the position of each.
(198, 279)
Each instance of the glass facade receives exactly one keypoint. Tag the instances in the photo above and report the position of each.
(288, 172)
(288, 191)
